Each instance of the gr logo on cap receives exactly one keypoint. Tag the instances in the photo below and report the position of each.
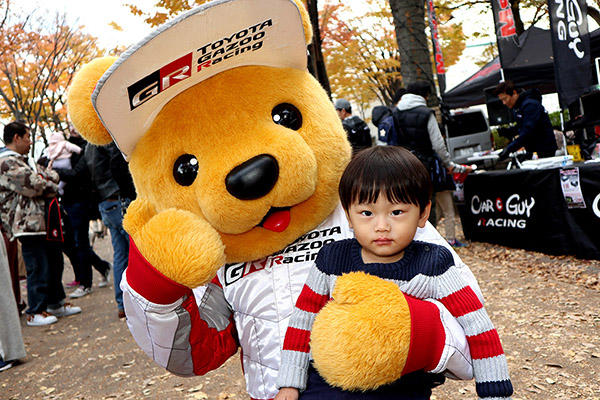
(193, 47)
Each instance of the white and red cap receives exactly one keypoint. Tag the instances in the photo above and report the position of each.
(215, 37)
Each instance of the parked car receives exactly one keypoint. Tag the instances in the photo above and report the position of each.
(467, 132)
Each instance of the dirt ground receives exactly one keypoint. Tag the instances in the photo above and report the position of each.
(546, 309)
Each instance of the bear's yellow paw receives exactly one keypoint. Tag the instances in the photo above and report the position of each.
(179, 244)
(360, 339)
(138, 214)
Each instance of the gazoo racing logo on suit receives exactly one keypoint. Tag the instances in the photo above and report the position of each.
(518, 211)
(304, 249)
(208, 54)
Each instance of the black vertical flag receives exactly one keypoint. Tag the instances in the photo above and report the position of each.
(571, 48)
(437, 47)
(506, 33)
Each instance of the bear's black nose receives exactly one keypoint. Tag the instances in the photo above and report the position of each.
(253, 178)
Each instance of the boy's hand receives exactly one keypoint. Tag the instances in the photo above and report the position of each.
(287, 393)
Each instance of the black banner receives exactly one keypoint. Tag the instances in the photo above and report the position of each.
(571, 48)
(440, 69)
(526, 209)
(506, 33)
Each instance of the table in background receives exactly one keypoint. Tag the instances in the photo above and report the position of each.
(526, 209)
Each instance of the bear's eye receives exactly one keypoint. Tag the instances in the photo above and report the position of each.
(185, 169)
(287, 115)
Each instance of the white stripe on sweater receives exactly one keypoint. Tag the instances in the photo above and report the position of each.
(491, 369)
(438, 287)
(447, 283)
(476, 322)
(302, 320)
(317, 281)
(296, 369)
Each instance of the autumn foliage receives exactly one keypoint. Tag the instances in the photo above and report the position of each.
(359, 45)
(38, 58)
(361, 52)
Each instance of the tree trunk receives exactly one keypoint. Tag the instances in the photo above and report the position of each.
(516, 9)
(316, 63)
(415, 60)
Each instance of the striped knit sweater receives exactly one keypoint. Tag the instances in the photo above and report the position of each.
(426, 271)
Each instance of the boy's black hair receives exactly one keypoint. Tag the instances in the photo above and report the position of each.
(391, 170)
(14, 128)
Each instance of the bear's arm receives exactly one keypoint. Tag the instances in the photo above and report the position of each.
(188, 332)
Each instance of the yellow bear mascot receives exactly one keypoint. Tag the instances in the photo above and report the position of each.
(236, 153)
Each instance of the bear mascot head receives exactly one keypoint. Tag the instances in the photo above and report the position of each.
(236, 134)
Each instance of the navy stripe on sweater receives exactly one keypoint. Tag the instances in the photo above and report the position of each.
(344, 256)
(494, 389)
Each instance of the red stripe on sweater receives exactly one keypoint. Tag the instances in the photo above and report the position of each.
(296, 340)
(310, 301)
(484, 345)
(462, 302)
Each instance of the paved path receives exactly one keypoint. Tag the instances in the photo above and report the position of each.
(550, 330)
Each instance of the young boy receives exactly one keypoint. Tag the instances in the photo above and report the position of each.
(385, 192)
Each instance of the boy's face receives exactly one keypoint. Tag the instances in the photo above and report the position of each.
(384, 229)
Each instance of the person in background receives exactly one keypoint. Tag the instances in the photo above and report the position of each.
(418, 130)
(25, 187)
(359, 134)
(12, 253)
(59, 152)
(533, 124)
(381, 116)
(11, 340)
(112, 181)
(77, 200)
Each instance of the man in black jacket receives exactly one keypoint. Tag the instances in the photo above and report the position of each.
(112, 181)
(533, 124)
(78, 202)
(359, 134)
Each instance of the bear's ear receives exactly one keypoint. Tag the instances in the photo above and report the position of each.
(79, 101)
(308, 32)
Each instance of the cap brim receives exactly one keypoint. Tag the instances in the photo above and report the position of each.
(195, 46)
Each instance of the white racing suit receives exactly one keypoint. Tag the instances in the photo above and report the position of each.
(190, 332)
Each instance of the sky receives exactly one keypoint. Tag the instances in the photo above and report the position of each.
(96, 15)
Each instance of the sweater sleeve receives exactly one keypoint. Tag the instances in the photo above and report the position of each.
(489, 362)
(295, 356)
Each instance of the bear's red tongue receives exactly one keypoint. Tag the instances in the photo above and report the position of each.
(277, 221)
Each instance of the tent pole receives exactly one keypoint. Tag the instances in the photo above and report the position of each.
(562, 119)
